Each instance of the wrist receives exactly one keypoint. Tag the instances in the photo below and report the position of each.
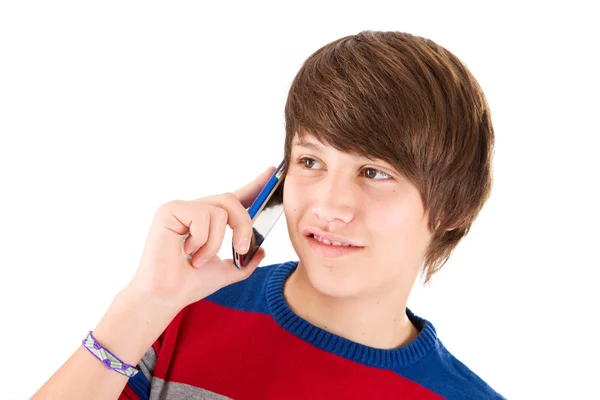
(132, 324)
(137, 296)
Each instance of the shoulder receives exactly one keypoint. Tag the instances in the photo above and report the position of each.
(454, 380)
(249, 294)
(210, 314)
(430, 364)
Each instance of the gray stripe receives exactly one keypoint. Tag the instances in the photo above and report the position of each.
(161, 390)
(147, 363)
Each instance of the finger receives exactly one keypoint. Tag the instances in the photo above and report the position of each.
(237, 218)
(256, 259)
(216, 233)
(247, 194)
(178, 218)
(189, 219)
(199, 229)
(235, 275)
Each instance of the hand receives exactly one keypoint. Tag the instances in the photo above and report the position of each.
(166, 272)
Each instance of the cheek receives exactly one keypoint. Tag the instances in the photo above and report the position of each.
(400, 225)
(292, 201)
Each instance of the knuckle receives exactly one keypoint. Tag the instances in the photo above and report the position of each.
(170, 205)
(164, 209)
(247, 224)
(203, 215)
(233, 203)
(221, 214)
(230, 196)
(246, 219)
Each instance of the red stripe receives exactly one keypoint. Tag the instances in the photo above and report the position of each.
(247, 355)
(128, 394)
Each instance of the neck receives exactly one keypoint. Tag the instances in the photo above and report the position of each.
(375, 320)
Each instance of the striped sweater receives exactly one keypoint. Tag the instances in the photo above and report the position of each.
(244, 342)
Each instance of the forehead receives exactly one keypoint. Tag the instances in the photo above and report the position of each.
(309, 142)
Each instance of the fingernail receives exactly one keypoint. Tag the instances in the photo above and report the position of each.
(244, 244)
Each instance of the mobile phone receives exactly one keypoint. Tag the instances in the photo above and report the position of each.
(264, 212)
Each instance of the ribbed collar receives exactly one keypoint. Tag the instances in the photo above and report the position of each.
(373, 357)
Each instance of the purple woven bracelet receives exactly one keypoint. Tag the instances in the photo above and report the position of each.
(107, 358)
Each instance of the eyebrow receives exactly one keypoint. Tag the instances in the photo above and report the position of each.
(306, 145)
(316, 147)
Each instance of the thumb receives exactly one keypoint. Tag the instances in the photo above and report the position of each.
(248, 193)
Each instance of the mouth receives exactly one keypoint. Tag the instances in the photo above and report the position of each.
(330, 238)
(328, 242)
(325, 248)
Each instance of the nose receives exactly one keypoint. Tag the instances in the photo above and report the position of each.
(333, 199)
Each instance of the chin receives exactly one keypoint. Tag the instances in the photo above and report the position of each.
(332, 279)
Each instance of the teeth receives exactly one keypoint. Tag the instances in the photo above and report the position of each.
(323, 240)
(329, 242)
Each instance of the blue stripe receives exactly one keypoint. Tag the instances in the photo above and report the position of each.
(249, 294)
(140, 385)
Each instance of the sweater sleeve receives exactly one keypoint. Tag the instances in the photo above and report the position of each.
(138, 386)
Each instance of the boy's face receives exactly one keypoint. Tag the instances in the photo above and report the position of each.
(364, 201)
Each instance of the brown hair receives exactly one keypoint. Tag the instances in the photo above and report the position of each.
(409, 101)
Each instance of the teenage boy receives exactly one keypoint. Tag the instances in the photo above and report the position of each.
(387, 163)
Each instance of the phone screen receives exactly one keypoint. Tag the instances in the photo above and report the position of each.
(264, 212)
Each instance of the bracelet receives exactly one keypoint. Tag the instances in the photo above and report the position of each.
(107, 358)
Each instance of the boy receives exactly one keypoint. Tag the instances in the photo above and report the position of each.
(387, 163)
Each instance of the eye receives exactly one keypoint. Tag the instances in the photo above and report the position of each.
(371, 173)
(307, 162)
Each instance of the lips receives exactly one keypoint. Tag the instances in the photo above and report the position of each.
(329, 242)
(329, 251)
(329, 238)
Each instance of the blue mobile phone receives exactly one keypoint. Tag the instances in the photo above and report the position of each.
(264, 212)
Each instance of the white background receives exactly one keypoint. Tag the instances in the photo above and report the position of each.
(109, 109)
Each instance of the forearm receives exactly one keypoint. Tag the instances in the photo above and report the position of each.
(128, 329)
